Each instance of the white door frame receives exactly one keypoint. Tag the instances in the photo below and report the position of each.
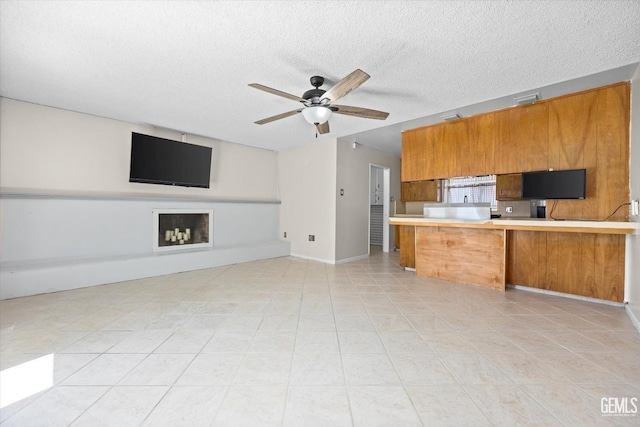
(386, 187)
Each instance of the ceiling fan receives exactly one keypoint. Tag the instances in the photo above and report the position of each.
(318, 102)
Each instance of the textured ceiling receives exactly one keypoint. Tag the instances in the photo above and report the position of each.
(186, 65)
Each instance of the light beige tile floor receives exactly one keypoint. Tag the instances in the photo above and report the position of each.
(289, 342)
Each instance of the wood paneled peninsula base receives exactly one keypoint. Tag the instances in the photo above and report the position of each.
(583, 258)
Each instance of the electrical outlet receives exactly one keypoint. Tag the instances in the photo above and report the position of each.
(285, 234)
(635, 207)
(509, 209)
(312, 237)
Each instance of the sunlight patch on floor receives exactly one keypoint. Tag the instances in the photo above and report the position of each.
(26, 379)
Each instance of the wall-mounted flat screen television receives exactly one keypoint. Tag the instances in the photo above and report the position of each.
(560, 184)
(163, 161)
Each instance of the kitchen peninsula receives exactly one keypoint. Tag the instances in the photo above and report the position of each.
(481, 252)
(581, 255)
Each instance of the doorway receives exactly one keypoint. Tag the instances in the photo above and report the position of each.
(379, 203)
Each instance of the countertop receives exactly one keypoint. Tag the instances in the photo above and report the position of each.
(531, 224)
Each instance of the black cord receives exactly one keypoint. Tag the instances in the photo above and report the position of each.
(614, 212)
(599, 220)
(552, 208)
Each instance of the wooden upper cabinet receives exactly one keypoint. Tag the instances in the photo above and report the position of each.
(535, 139)
(505, 147)
(431, 135)
(587, 130)
(419, 191)
(481, 133)
(572, 130)
(435, 151)
(611, 178)
(522, 138)
(449, 144)
(456, 138)
(412, 155)
(509, 187)
(590, 130)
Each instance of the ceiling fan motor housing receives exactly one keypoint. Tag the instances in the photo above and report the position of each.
(314, 95)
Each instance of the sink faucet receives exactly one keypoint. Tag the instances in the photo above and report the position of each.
(465, 199)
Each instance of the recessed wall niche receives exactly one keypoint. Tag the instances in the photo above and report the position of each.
(177, 229)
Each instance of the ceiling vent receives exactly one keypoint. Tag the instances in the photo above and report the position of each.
(451, 117)
(528, 99)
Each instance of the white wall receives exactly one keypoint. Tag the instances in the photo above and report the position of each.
(633, 242)
(352, 209)
(45, 148)
(307, 180)
(69, 217)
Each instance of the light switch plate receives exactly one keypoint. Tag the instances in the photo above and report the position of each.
(635, 207)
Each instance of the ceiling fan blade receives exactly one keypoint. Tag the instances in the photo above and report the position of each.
(323, 128)
(277, 117)
(346, 85)
(359, 112)
(277, 92)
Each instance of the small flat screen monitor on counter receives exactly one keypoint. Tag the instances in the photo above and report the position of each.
(560, 184)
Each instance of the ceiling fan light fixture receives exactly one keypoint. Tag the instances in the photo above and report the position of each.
(316, 115)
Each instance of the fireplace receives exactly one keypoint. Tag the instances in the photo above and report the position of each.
(176, 229)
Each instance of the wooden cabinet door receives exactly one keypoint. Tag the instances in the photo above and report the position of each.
(404, 191)
(572, 136)
(455, 154)
(590, 265)
(572, 129)
(608, 187)
(527, 258)
(509, 187)
(413, 156)
(427, 191)
(431, 135)
(441, 151)
(481, 134)
(420, 154)
(522, 138)
(407, 246)
(505, 148)
(590, 130)
(534, 138)
(408, 159)
(414, 191)
(419, 191)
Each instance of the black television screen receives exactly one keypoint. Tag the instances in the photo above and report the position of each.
(561, 184)
(163, 161)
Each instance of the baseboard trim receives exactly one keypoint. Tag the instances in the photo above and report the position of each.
(632, 316)
(565, 295)
(355, 258)
(309, 258)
